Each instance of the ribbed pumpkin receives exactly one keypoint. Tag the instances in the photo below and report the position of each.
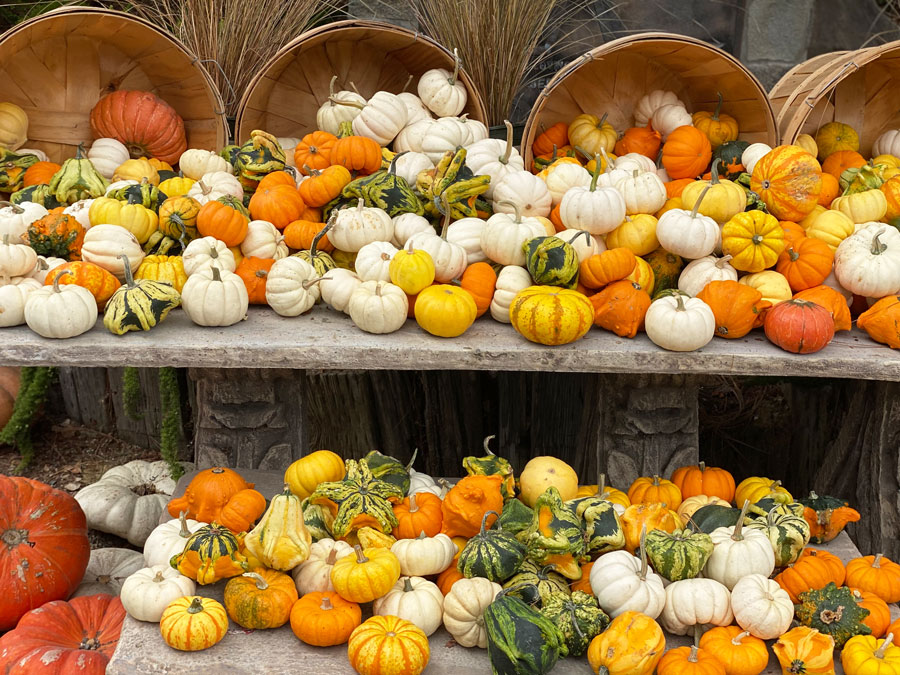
(754, 240)
(803, 575)
(877, 574)
(787, 533)
(39, 173)
(879, 617)
(480, 280)
(168, 269)
(388, 645)
(737, 308)
(550, 315)
(323, 186)
(686, 153)
(689, 661)
(98, 281)
(788, 180)
(836, 569)
(314, 151)
(642, 140)
(324, 619)
(653, 489)
(739, 652)
(227, 224)
(420, 512)
(260, 599)
(806, 263)
(799, 326)
(694, 480)
(299, 235)
(193, 623)
(211, 553)
(366, 574)
(604, 268)
(492, 554)
(357, 153)
(280, 205)
(178, 217)
(254, 272)
(143, 122)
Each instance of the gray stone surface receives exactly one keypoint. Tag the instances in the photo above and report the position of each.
(775, 37)
(326, 340)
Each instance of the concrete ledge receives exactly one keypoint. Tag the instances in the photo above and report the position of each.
(324, 339)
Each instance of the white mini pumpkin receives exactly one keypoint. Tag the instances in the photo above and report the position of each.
(288, 144)
(503, 236)
(528, 192)
(340, 107)
(146, 593)
(562, 177)
(215, 185)
(695, 602)
(642, 192)
(866, 263)
(374, 260)
(510, 281)
(15, 219)
(688, 233)
(206, 252)
(16, 259)
(315, 573)
(107, 570)
(475, 129)
(61, 311)
(761, 606)
(442, 92)
(450, 260)
(44, 266)
(378, 307)
(442, 136)
(195, 163)
(291, 286)
(422, 482)
(410, 164)
(414, 599)
(13, 296)
(649, 104)
(888, 143)
(415, 109)
(411, 137)
(382, 118)
(495, 158)
(466, 232)
(634, 161)
(424, 555)
(584, 243)
(214, 297)
(337, 286)
(464, 609)
(752, 154)
(103, 244)
(624, 583)
(107, 155)
(355, 227)
(667, 118)
(169, 539)
(698, 273)
(406, 225)
(80, 211)
(597, 210)
(263, 240)
(679, 324)
(738, 552)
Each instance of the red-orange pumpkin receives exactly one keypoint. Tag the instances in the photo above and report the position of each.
(686, 153)
(738, 308)
(805, 263)
(799, 326)
(147, 125)
(788, 180)
(620, 308)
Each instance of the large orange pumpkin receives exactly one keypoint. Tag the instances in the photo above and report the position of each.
(45, 548)
(620, 308)
(98, 281)
(147, 125)
(882, 321)
(695, 480)
(805, 263)
(279, 205)
(738, 308)
(686, 153)
(831, 300)
(799, 326)
(788, 180)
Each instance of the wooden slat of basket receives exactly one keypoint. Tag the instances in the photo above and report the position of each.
(782, 89)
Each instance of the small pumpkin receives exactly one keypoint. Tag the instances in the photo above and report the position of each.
(366, 574)
(650, 516)
(879, 618)
(324, 619)
(260, 599)
(826, 516)
(520, 638)
(193, 623)
(492, 554)
(700, 479)
(787, 533)
(550, 315)
(621, 307)
(806, 263)
(788, 180)
(799, 326)
(805, 650)
(738, 651)
(866, 655)
(222, 221)
(877, 574)
(633, 644)
(466, 504)
(649, 490)
(211, 553)
(686, 153)
(416, 514)
(314, 151)
(753, 239)
(689, 661)
(604, 268)
(833, 611)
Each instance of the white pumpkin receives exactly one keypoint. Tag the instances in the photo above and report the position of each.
(410, 164)
(584, 243)
(695, 602)
(16, 259)
(688, 233)
(698, 273)
(888, 143)
(679, 324)
(406, 225)
(337, 286)
(60, 311)
(107, 155)
(291, 288)
(214, 297)
(495, 158)
(831, 282)
(315, 573)
(442, 136)
(415, 599)
(374, 260)
(422, 482)
(762, 607)
(15, 219)
(207, 252)
(738, 552)
(382, 118)
(562, 177)
(340, 107)
(622, 583)
(642, 192)
(450, 260)
(44, 266)
(118, 185)
(597, 210)
(503, 236)
(411, 137)
(667, 118)
(354, 228)
(128, 500)
(288, 144)
(866, 263)
(169, 539)
(510, 281)
(146, 593)
(215, 185)
(107, 570)
(466, 232)
(442, 92)
(424, 555)
(80, 211)
(634, 161)
(475, 129)
(103, 244)
(415, 109)
(752, 154)
(464, 609)
(263, 240)
(13, 296)
(528, 192)
(649, 104)
(195, 163)
(378, 307)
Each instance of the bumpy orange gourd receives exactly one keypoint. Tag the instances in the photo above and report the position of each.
(143, 122)
(604, 268)
(314, 151)
(700, 479)
(323, 186)
(882, 321)
(466, 503)
(280, 205)
(211, 491)
(324, 619)
(621, 307)
(831, 300)
(260, 599)
(738, 651)
(689, 661)
(56, 234)
(223, 222)
(686, 153)
(98, 281)
(480, 280)
(806, 263)
(805, 650)
(652, 489)
(788, 180)
(652, 516)
(876, 574)
(255, 271)
(737, 308)
(420, 512)
(388, 645)
(632, 644)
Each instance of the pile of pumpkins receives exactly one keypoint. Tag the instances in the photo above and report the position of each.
(397, 207)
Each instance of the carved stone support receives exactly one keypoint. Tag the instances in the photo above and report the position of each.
(249, 418)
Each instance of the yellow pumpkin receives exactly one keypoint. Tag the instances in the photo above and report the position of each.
(671, 203)
(832, 227)
(605, 492)
(550, 315)
(445, 310)
(754, 240)
(140, 221)
(412, 270)
(692, 504)
(867, 655)
(137, 169)
(176, 187)
(632, 644)
(724, 199)
(365, 574)
(808, 143)
(193, 623)
(718, 127)
(810, 217)
(166, 268)
(13, 126)
(642, 275)
(305, 474)
(637, 234)
(773, 286)
(862, 207)
(543, 472)
(592, 134)
(755, 488)
(805, 650)
(280, 540)
(834, 137)
(388, 645)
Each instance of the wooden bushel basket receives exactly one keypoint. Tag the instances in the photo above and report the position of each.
(613, 77)
(857, 88)
(782, 95)
(58, 65)
(284, 96)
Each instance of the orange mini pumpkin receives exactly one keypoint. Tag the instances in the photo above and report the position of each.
(657, 516)
(740, 652)
(323, 186)
(279, 205)
(879, 613)
(810, 573)
(314, 151)
(689, 661)
(805, 263)
(838, 162)
(737, 308)
(223, 222)
(686, 153)
(555, 136)
(449, 576)
(40, 173)
(835, 567)
(831, 190)
(357, 153)
(882, 321)
(621, 307)
(480, 280)
(603, 268)
(695, 480)
(674, 188)
(876, 574)
(324, 619)
(793, 232)
(653, 489)
(418, 513)
(101, 283)
(276, 178)
(466, 503)
(299, 235)
(831, 300)
(642, 140)
(254, 272)
(789, 181)
(584, 583)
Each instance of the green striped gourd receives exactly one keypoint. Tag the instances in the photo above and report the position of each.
(515, 516)
(556, 535)
(521, 640)
(535, 583)
(492, 554)
(551, 262)
(678, 555)
(578, 617)
(492, 465)
(787, 533)
(390, 470)
(602, 528)
(318, 520)
(139, 305)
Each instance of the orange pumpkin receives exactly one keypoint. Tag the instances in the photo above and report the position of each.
(876, 574)
(323, 186)
(449, 576)
(311, 213)
(832, 562)
(674, 188)
(831, 190)
(324, 619)
(466, 503)
(686, 153)
(279, 205)
(879, 613)
(209, 492)
(621, 307)
(242, 510)
(223, 222)
(894, 627)
(143, 122)
(738, 309)
(254, 272)
(276, 178)
(838, 162)
(789, 181)
(556, 219)
(39, 173)
(480, 280)
(584, 583)
(799, 326)
(418, 513)
(299, 235)
(603, 268)
(689, 661)
(739, 652)
(831, 300)
(98, 281)
(653, 489)
(57, 234)
(793, 232)
(805, 263)
(891, 190)
(357, 153)
(695, 480)
(555, 136)
(314, 151)
(881, 321)
(642, 140)
(650, 516)
(805, 574)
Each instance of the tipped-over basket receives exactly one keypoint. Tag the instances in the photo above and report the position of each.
(59, 64)
(613, 77)
(284, 96)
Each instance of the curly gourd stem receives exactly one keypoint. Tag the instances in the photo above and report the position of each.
(587, 236)
(737, 536)
(516, 210)
(643, 574)
(392, 167)
(457, 62)
(321, 233)
(484, 520)
(487, 440)
(504, 158)
(699, 200)
(260, 582)
(412, 459)
(571, 607)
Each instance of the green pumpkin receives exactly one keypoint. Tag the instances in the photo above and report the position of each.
(12, 169)
(318, 520)
(38, 194)
(556, 535)
(383, 189)
(833, 611)
(257, 158)
(139, 305)
(492, 554)
(666, 269)
(729, 156)
(788, 533)
(492, 465)
(678, 555)
(708, 518)
(534, 583)
(389, 469)
(77, 180)
(230, 154)
(578, 617)
(145, 194)
(358, 495)
(521, 640)
(602, 528)
(551, 262)
(515, 516)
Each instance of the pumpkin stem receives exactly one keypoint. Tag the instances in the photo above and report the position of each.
(596, 173)
(308, 284)
(407, 586)
(14, 207)
(702, 466)
(692, 657)
(602, 120)
(184, 533)
(770, 517)
(216, 276)
(504, 158)
(408, 81)
(699, 200)
(360, 556)
(813, 495)
(331, 558)
(321, 233)
(331, 87)
(679, 304)
(413, 507)
(326, 601)
(412, 459)
(457, 62)
(720, 263)
(736, 640)
(343, 101)
(484, 520)
(196, 605)
(655, 480)
(260, 582)
(877, 562)
(446, 211)
(129, 277)
(60, 276)
(309, 170)
(718, 109)
(888, 640)
(828, 616)
(643, 574)
(158, 578)
(601, 484)
(516, 209)
(737, 536)
(715, 171)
